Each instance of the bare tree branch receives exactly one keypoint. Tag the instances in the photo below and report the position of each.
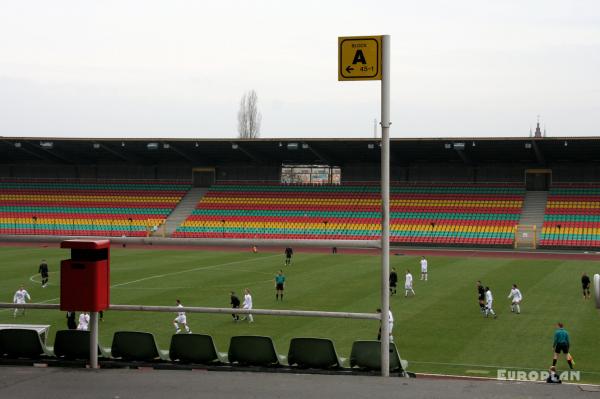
(249, 118)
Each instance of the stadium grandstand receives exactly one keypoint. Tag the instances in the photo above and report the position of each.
(86, 207)
(473, 192)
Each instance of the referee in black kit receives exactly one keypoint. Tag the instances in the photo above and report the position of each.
(481, 296)
(43, 270)
(585, 285)
(235, 304)
(288, 256)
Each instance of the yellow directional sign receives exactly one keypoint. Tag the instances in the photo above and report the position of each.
(359, 58)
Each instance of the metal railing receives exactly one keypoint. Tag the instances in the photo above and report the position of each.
(200, 309)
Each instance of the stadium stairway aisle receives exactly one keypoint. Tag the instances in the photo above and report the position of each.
(184, 209)
(534, 207)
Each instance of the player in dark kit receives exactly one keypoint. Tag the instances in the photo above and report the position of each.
(43, 270)
(393, 281)
(585, 285)
(71, 325)
(235, 304)
(288, 256)
(481, 296)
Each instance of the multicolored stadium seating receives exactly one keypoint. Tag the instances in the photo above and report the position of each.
(86, 207)
(572, 217)
(440, 214)
(456, 214)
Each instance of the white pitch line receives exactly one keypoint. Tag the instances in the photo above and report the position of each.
(254, 271)
(212, 287)
(191, 270)
(33, 280)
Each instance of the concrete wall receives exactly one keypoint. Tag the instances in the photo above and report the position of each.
(108, 171)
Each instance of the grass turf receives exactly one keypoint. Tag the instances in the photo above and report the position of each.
(440, 330)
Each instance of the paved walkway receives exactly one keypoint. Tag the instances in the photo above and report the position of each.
(61, 383)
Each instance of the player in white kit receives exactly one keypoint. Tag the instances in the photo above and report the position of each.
(84, 322)
(489, 301)
(517, 297)
(181, 319)
(390, 324)
(247, 304)
(408, 283)
(21, 296)
(423, 268)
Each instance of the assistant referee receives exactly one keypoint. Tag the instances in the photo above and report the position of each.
(561, 344)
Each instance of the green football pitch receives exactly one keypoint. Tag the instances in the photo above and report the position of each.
(440, 330)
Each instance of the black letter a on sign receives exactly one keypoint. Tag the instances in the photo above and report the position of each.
(359, 57)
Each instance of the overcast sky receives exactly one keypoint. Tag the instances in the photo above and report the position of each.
(176, 68)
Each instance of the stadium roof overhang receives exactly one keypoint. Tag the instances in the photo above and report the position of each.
(472, 151)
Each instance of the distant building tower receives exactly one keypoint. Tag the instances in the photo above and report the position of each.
(538, 131)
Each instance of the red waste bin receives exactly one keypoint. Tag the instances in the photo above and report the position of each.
(85, 278)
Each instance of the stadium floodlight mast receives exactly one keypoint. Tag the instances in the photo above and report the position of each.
(368, 58)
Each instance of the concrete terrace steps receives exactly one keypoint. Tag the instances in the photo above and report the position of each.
(534, 208)
(184, 208)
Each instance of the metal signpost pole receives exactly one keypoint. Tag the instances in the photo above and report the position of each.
(385, 205)
(597, 290)
(368, 58)
(94, 340)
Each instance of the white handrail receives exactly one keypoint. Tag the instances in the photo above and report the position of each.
(200, 309)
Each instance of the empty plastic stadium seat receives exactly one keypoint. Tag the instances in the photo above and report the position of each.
(135, 346)
(252, 350)
(366, 355)
(73, 345)
(194, 348)
(18, 343)
(318, 353)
